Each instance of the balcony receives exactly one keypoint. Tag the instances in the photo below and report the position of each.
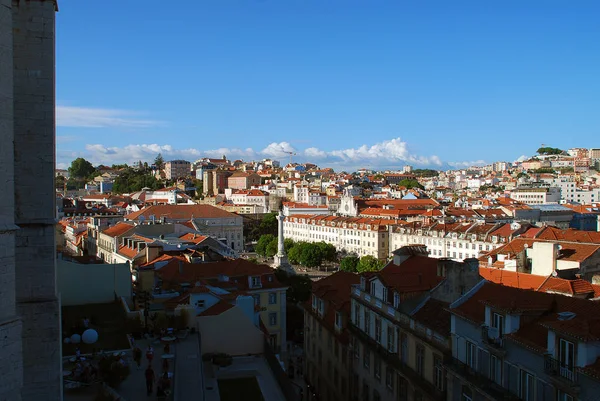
(478, 380)
(560, 370)
(493, 339)
(393, 359)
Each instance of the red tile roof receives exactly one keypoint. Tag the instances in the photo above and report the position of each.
(415, 275)
(435, 316)
(118, 229)
(217, 309)
(181, 212)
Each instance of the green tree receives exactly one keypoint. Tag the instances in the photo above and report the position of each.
(268, 225)
(199, 185)
(159, 162)
(59, 182)
(544, 170)
(369, 263)
(546, 150)
(425, 173)
(288, 244)
(408, 183)
(311, 255)
(272, 248)
(349, 264)
(131, 180)
(328, 251)
(263, 243)
(81, 168)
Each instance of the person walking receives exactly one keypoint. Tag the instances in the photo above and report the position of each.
(137, 357)
(150, 377)
(149, 354)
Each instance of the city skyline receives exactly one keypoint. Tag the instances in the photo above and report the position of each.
(342, 84)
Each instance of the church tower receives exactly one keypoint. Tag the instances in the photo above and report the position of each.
(30, 346)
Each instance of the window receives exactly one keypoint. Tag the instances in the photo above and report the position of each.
(402, 389)
(365, 391)
(562, 396)
(420, 359)
(389, 378)
(403, 347)
(378, 330)
(366, 358)
(498, 323)
(496, 369)
(566, 353)
(256, 281)
(471, 352)
(373, 288)
(367, 322)
(338, 320)
(527, 386)
(272, 298)
(377, 368)
(256, 299)
(273, 318)
(438, 373)
(356, 315)
(467, 394)
(200, 303)
(390, 338)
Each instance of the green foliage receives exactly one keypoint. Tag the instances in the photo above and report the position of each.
(268, 225)
(159, 162)
(131, 180)
(410, 184)
(522, 174)
(59, 182)
(272, 248)
(544, 170)
(199, 185)
(263, 243)
(564, 170)
(328, 251)
(311, 255)
(369, 263)
(546, 150)
(349, 264)
(300, 286)
(288, 244)
(81, 168)
(425, 172)
(119, 166)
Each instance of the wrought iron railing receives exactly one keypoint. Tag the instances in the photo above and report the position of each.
(557, 368)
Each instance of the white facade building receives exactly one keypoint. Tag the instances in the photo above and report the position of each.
(536, 196)
(354, 235)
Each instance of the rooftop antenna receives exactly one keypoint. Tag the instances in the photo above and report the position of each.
(291, 154)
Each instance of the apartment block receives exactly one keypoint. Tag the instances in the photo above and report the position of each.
(177, 169)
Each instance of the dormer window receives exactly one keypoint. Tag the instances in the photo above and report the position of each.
(396, 300)
(372, 288)
(385, 294)
(255, 282)
(320, 307)
(314, 302)
(363, 283)
(497, 322)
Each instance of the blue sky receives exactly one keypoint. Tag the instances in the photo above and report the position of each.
(342, 83)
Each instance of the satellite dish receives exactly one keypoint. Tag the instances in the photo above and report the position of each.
(554, 273)
(88, 206)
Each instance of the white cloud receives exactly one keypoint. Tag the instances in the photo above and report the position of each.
(522, 158)
(314, 153)
(388, 154)
(281, 149)
(466, 164)
(88, 117)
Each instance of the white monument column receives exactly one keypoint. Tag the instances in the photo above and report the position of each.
(280, 260)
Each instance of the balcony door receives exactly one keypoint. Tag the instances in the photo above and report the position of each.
(566, 357)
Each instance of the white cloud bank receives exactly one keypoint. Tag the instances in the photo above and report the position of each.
(88, 117)
(385, 154)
